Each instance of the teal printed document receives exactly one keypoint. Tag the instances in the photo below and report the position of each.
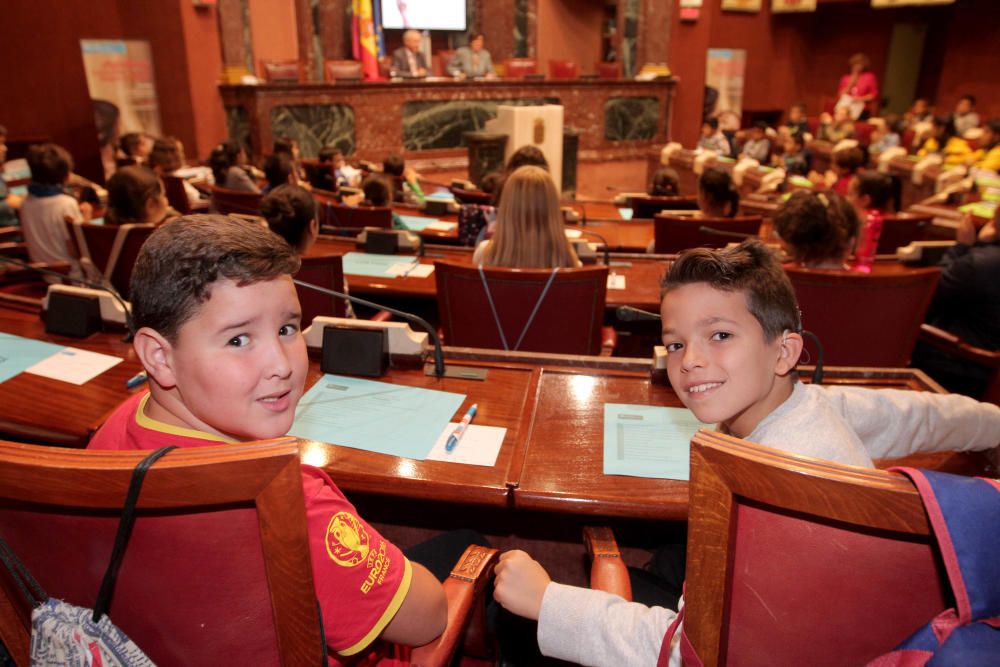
(648, 440)
(415, 223)
(369, 264)
(625, 213)
(18, 354)
(375, 416)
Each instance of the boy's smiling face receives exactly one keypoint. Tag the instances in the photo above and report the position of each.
(718, 360)
(237, 367)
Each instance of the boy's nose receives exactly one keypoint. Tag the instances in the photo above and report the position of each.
(692, 357)
(279, 363)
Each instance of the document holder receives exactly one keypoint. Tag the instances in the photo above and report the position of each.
(381, 242)
(436, 207)
(72, 315)
(355, 351)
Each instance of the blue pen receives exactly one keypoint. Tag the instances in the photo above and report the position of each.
(456, 435)
(136, 380)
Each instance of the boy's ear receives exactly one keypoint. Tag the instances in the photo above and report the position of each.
(156, 354)
(789, 351)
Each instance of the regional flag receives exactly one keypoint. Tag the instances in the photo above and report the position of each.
(365, 46)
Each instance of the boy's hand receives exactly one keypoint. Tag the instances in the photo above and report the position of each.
(520, 584)
(966, 232)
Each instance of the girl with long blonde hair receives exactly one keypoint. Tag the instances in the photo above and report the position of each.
(529, 229)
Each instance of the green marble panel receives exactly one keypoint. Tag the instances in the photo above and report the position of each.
(520, 28)
(434, 124)
(315, 126)
(630, 38)
(631, 118)
(238, 127)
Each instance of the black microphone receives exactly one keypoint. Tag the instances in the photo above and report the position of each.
(630, 314)
(722, 232)
(419, 321)
(81, 281)
(607, 249)
(817, 376)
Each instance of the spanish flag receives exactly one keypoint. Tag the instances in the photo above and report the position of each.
(364, 42)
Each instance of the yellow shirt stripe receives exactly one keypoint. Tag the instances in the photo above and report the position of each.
(390, 612)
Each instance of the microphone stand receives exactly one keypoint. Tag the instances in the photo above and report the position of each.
(419, 321)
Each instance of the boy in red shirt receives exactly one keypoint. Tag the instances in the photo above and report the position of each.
(217, 327)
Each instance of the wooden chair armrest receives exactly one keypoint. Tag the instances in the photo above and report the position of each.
(608, 572)
(9, 233)
(463, 588)
(949, 342)
(15, 250)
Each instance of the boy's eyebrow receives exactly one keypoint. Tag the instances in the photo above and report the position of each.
(237, 325)
(707, 322)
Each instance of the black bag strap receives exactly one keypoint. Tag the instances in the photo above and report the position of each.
(124, 532)
(30, 588)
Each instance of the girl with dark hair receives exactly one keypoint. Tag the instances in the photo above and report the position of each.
(817, 230)
(717, 198)
(135, 195)
(228, 162)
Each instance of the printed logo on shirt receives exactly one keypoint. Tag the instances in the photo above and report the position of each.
(347, 541)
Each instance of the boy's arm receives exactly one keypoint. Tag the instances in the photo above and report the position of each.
(424, 613)
(580, 625)
(893, 423)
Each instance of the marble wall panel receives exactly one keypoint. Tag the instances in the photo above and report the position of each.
(630, 37)
(238, 127)
(429, 124)
(315, 126)
(631, 118)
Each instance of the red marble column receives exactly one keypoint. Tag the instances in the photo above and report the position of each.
(496, 22)
(304, 28)
(654, 32)
(333, 33)
(232, 31)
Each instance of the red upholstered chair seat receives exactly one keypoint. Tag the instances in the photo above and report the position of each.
(675, 233)
(562, 69)
(281, 71)
(568, 320)
(864, 319)
(341, 69)
(608, 70)
(518, 68)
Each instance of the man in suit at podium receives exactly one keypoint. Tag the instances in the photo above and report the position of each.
(407, 60)
(472, 61)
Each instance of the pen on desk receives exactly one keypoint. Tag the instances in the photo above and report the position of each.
(136, 380)
(456, 435)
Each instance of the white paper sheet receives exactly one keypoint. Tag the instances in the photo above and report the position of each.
(410, 270)
(573, 233)
(480, 445)
(440, 226)
(74, 365)
(616, 281)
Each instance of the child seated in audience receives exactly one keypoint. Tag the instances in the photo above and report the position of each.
(944, 141)
(837, 127)
(341, 174)
(290, 148)
(886, 135)
(378, 192)
(665, 183)
(476, 223)
(216, 322)
(47, 207)
(796, 121)
(846, 163)
(732, 331)
(817, 230)
(529, 232)
(712, 138)
(919, 112)
(134, 148)
(278, 171)
(965, 116)
(166, 158)
(290, 212)
(757, 146)
(135, 195)
(229, 166)
(9, 202)
(795, 159)
(406, 181)
(987, 157)
(717, 198)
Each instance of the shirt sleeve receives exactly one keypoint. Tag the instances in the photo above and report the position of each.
(596, 628)
(893, 423)
(361, 578)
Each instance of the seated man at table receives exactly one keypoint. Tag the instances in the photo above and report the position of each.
(407, 60)
(732, 332)
(472, 61)
(216, 324)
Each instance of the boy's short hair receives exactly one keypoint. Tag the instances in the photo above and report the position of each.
(288, 210)
(166, 154)
(328, 153)
(750, 268)
(277, 169)
(129, 189)
(526, 156)
(880, 188)
(851, 159)
(712, 122)
(394, 165)
(816, 226)
(377, 189)
(665, 183)
(50, 164)
(129, 142)
(183, 258)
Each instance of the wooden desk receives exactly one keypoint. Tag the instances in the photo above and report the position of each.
(902, 168)
(642, 273)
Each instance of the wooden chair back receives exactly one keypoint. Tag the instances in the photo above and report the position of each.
(518, 68)
(673, 234)
(281, 71)
(864, 319)
(900, 229)
(228, 201)
(563, 69)
(440, 61)
(608, 70)
(93, 244)
(955, 347)
(647, 206)
(568, 320)
(217, 570)
(798, 561)
(354, 217)
(128, 243)
(173, 187)
(328, 272)
(341, 69)
(463, 196)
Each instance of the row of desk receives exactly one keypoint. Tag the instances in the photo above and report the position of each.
(551, 406)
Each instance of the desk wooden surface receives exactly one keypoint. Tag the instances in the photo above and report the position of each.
(551, 405)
